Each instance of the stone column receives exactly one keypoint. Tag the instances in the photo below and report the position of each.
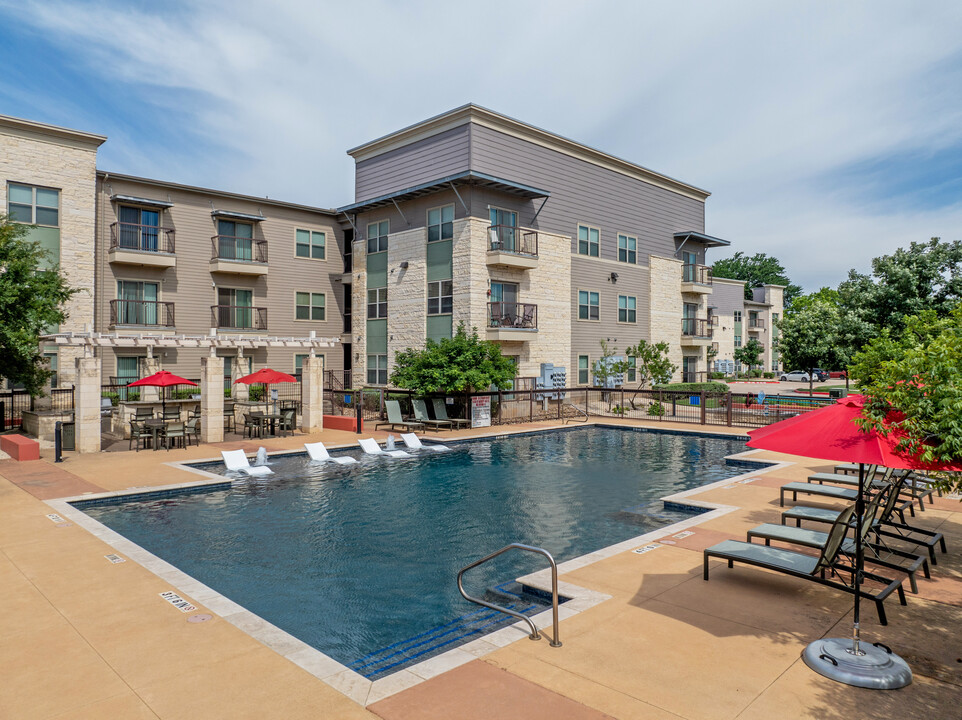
(312, 394)
(87, 405)
(211, 399)
(239, 391)
(147, 392)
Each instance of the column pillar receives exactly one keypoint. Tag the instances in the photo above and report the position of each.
(312, 394)
(149, 393)
(211, 399)
(239, 391)
(87, 405)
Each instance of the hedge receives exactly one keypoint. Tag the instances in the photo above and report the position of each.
(708, 387)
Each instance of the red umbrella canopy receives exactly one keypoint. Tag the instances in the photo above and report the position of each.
(162, 379)
(265, 376)
(830, 433)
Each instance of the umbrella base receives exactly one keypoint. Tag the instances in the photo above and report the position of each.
(878, 668)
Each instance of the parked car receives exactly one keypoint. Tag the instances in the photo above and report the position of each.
(794, 376)
(820, 375)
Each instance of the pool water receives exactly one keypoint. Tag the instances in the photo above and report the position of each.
(360, 561)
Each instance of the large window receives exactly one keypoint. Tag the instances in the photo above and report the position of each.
(235, 308)
(137, 228)
(309, 306)
(441, 223)
(626, 309)
(582, 369)
(587, 305)
(440, 301)
(589, 241)
(377, 236)
(377, 369)
(33, 205)
(627, 249)
(738, 316)
(310, 244)
(631, 375)
(137, 303)
(377, 303)
(235, 240)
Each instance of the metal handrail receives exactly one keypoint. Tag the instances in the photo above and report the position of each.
(568, 403)
(555, 642)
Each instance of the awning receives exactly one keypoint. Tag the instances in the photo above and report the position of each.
(237, 215)
(706, 240)
(141, 201)
(469, 177)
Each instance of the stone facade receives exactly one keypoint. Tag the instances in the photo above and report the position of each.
(312, 394)
(665, 301)
(87, 404)
(767, 302)
(211, 399)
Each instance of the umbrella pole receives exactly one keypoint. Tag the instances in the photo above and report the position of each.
(859, 557)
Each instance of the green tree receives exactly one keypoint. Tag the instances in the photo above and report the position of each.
(458, 364)
(825, 295)
(651, 365)
(749, 354)
(813, 337)
(32, 296)
(757, 270)
(607, 369)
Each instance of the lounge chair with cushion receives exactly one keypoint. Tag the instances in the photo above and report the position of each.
(413, 442)
(394, 418)
(441, 413)
(370, 447)
(421, 415)
(237, 461)
(809, 567)
(319, 453)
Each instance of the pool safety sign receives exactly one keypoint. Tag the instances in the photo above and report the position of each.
(481, 411)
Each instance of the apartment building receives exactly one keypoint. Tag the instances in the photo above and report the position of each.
(736, 320)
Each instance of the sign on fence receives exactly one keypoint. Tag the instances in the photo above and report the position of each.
(481, 411)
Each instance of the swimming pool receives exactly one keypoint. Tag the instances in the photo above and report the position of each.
(360, 562)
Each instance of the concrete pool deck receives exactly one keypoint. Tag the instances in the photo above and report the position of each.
(83, 637)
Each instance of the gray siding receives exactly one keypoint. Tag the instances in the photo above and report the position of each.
(727, 298)
(435, 157)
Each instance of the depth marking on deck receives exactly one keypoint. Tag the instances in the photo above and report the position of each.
(53, 517)
(177, 601)
(683, 534)
(644, 549)
(115, 558)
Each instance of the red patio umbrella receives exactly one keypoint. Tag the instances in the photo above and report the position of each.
(266, 376)
(831, 433)
(162, 379)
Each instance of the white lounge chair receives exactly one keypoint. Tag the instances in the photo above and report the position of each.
(319, 453)
(370, 447)
(237, 461)
(414, 442)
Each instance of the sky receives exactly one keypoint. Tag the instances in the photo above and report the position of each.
(827, 133)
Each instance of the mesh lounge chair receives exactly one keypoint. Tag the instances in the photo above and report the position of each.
(441, 413)
(421, 415)
(809, 567)
(394, 418)
(319, 453)
(370, 447)
(914, 487)
(237, 461)
(413, 442)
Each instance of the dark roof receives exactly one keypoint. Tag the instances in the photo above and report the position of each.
(706, 240)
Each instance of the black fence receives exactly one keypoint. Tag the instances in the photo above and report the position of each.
(14, 403)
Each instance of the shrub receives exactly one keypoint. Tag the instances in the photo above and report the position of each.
(756, 373)
(708, 387)
(716, 375)
(656, 409)
(769, 375)
(256, 393)
(114, 397)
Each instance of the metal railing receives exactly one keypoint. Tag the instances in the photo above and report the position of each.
(694, 376)
(144, 238)
(699, 274)
(756, 323)
(695, 327)
(13, 403)
(535, 635)
(141, 312)
(238, 317)
(512, 315)
(229, 247)
(510, 239)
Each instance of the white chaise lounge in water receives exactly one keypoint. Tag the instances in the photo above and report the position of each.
(237, 461)
(370, 447)
(319, 453)
(414, 442)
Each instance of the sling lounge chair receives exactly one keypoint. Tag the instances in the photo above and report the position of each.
(914, 487)
(394, 418)
(319, 453)
(421, 415)
(441, 413)
(413, 442)
(237, 461)
(370, 447)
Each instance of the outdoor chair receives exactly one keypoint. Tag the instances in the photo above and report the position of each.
(413, 442)
(236, 461)
(286, 423)
(193, 428)
(825, 569)
(319, 453)
(142, 413)
(229, 418)
(421, 415)
(914, 487)
(252, 426)
(173, 434)
(527, 320)
(370, 447)
(172, 413)
(138, 434)
(394, 418)
(441, 413)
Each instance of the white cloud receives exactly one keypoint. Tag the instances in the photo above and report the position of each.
(754, 101)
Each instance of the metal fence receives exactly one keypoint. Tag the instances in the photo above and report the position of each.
(14, 402)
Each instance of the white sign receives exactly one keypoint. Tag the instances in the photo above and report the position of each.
(644, 549)
(177, 601)
(481, 411)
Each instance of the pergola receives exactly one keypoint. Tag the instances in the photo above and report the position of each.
(214, 341)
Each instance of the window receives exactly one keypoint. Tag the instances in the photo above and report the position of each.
(627, 249)
(377, 303)
(128, 370)
(299, 365)
(738, 341)
(440, 301)
(310, 244)
(582, 369)
(136, 303)
(377, 369)
(235, 240)
(33, 205)
(588, 240)
(52, 362)
(587, 305)
(235, 308)
(441, 223)
(137, 228)
(309, 306)
(504, 235)
(738, 316)
(630, 376)
(377, 236)
(626, 309)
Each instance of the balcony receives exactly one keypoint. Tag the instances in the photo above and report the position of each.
(513, 247)
(695, 332)
(756, 324)
(237, 255)
(141, 313)
(692, 376)
(512, 321)
(147, 245)
(238, 317)
(696, 279)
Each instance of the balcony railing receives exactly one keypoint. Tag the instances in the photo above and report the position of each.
(228, 247)
(141, 312)
(522, 316)
(691, 376)
(143, 238)
(238, 317)
(510, 239)
(695, 327)
(756, 323)
(698, 274)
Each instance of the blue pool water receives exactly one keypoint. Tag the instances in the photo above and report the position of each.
(361, 562)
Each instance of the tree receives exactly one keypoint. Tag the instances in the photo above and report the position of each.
(607, 369)
(32, 296)
(813, 337)
(757, 270)
(825, 295)
(750, 353)
(651, 365)
(458, 364)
